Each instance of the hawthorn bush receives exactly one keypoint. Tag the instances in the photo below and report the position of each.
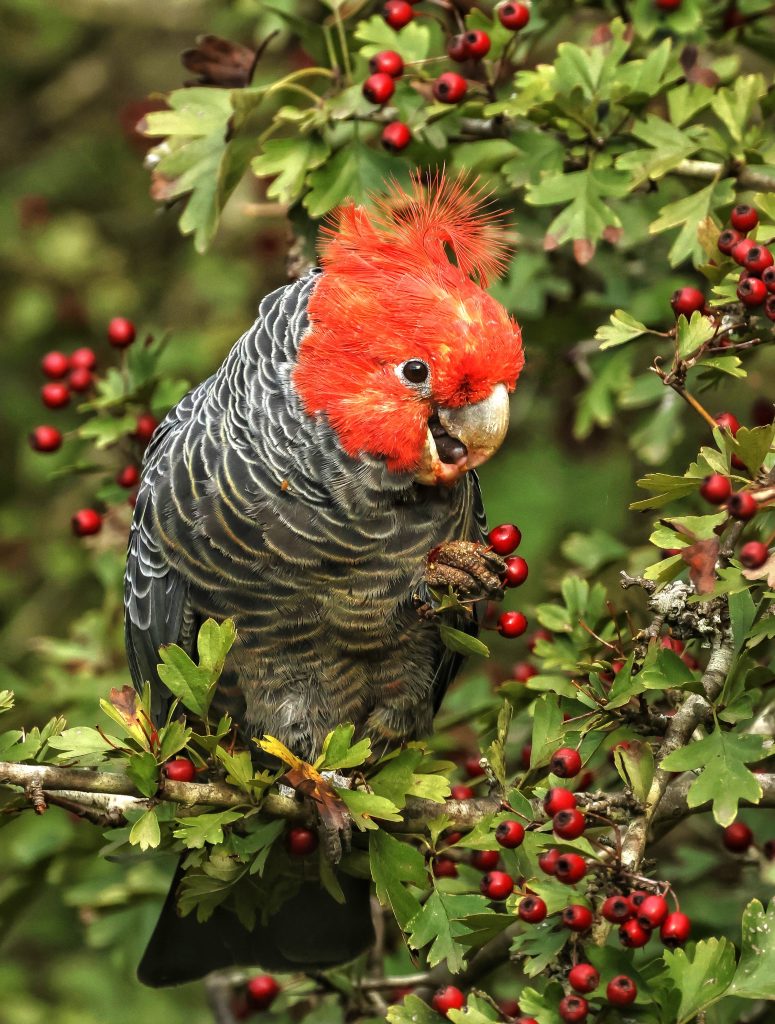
(586, 835)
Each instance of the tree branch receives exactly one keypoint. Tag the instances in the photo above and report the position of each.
(674, 808)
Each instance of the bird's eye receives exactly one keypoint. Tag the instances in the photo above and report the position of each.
(415, 371)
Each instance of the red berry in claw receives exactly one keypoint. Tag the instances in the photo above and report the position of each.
(532, 909)
(758, 259)
(86, 522)
(397, 13)
(728, 421)
(450, 87)
(180, 770)
(633, 935)
(55, 395)
(675, 930)
(616, 909)
(447, 998)
(577, 917)
(737, 837)
(379, 88)
(387, 62)
(514, 16)
(742, 505)
(621, 990)
(300, 841)
(457, 48)
(547, 861)
(744, 218)
(485, 860)
(512, 624)
(716, 489)
(80, 379)
(558, 799)
(461, 792)
(510, 834)
(522, 672)
(565, 762)
(121, 332)
(478, 44)
(653, 911)
(752, 291)
(584, 978)
(55, 365)
(396, 136)
(727, 240)
(573, 1009)
(46, 439)
(128, 477)
(497, 885)
(505, 538)
(686, 301)
(570, 868)
(753, 554)
(145, 426)
(516, 571)
(262, 991)
(569, 824)
(83, 359)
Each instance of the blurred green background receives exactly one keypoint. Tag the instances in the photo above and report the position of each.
(81, 241)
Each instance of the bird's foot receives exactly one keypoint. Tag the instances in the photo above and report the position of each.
(469, 569)
(332, 818)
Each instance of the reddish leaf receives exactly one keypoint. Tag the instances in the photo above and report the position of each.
(125, 702)
(583, 250)
(220, 62)
(701, 558)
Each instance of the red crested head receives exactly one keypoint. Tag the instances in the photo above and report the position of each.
(403, 335)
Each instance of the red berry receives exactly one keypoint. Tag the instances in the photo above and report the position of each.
(653, 911)
(547, 861)
(532, 909)
(145, 426)
(46, 439)
(478, 44)
(83, 359)
(485, 860)
(180, 770)
(55, 365)
(472, 766)
(522, 672)
(121, 332)
(672, 643)
(758, 259)
(584, 978)
(525, 1020)
(570, 868)
(675, 929)
(129, 476)
(447, 998)
(633, 935)
(516, 571)
(636, 897)
(744, 218)
(508, 1007)
(461, 792)
(569, 824)
(743, 505)
(379, 88)
(558, 799)
(86, 522)
(80, 379)
(387, 62)
(397, 13)
(577, 917)
(621, 990)
(497, 885)
(450, 87)
(769, 278)
(565, 763)
(457, 48)
(737, 837)
(668, 5)
(728, 421)
(55, 395)
(753, 554)
(300, 841)
(444, 867)
(262, 991)
(396, 136)
(740, 250)
(450, 838)
(727, 240)
(769, 307)
(505, 538)
(573, 1009)
(715, 489)
(686, 301)
(512, 624)
(616, 909)
(514, 16)
(752, 291)
(510, 834)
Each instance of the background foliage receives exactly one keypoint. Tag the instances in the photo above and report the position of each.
(598, 124)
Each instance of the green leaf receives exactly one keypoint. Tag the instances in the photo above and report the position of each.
(439, 923)
(365, 806)
(755, 975)
(354, 172)
(195, 684)
(547, 730)
(257, 844)
(539, 947)
(204, 828)
(669, 146)
(593, 550)
(214, 642)
(194, 112)
(736, 105)
(104, 431)
(413, 1010)
(587, 215)
(701, 979)
(668, 488)
(397, 778)
(753, 444)
(688, 213)
(496, 752)
(691, 334)
(172, 738)
(145, 832)
(291, 160)
(623, 328)
(463, 643)
(394, 865)
(239, 768)
(81, 744)
(414, 42)
(635, 765)
(143, 770)
(338, 751)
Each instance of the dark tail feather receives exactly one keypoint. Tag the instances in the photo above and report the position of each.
(311, 931)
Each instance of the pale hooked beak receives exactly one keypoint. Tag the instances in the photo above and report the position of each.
(479, 429)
